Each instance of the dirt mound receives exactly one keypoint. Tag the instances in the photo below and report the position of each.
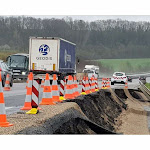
(96, 114)
(100, 108)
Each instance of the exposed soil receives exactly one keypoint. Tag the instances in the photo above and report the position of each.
(100, 108)
(102, 112)
(134, 119)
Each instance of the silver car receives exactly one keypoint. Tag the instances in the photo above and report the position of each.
(4, 71)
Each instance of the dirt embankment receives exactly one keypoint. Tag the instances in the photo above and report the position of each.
(95, 114)
(103, 112)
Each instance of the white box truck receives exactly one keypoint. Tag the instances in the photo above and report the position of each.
(51, 55)
(91, 70)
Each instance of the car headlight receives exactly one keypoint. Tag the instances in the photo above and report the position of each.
(23, 73)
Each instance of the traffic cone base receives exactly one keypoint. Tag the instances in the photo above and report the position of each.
(83, 93)
(61, 98)
(27, 106)
(6, 88)
(47, 101)
(3, 121)
(33, 111)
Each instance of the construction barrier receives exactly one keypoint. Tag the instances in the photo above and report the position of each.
(35, 97)
(83, 86)
(62, 90)
(3, 118)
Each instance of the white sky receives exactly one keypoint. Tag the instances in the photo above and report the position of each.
(99, 17)
(132, 10)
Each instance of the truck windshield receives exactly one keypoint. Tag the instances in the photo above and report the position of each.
(88, 71)
(17, 61)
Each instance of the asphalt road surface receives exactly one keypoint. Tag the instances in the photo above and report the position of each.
(15, 98)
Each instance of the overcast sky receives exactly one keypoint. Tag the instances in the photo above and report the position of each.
(100, 17)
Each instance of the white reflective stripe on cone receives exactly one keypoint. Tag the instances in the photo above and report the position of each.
(47, 95)
(28, 98)
(46, 83)
(30, 83)
(54, 82)
(55, 93)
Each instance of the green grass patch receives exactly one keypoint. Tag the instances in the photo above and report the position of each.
(147, 85)
(5, 54)
(126, 65)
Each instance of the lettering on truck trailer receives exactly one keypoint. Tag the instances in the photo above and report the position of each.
(44, 50)
(67, 57)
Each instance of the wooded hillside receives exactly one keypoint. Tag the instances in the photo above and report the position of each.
(95, 40)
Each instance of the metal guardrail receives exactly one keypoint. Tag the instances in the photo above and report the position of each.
(145, 90)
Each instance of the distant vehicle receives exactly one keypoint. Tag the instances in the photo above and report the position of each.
(142, 79)
(118, 77)
(52, 55)
(4, 71)
(19, 63)
(129, 79)
(91, 70)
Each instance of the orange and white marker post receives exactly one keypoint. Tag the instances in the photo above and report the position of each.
(83, 86)
(3, 119)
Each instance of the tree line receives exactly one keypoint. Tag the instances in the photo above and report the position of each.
(95, 40)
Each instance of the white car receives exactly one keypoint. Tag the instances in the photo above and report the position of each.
(119, 77)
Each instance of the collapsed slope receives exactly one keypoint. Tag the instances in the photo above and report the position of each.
(96, 115)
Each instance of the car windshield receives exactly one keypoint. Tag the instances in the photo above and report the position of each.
(119, 74)
(88, 71)
(17, 61)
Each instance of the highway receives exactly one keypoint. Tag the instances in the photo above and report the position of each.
(15, 98)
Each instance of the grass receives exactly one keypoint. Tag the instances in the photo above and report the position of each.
(147, 85)
(126, 65)
(5, 54)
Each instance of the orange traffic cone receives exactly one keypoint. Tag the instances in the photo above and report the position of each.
(104, 84)
(92, 85)
(3, 119)
(27, 104)
(7, 84)
(27, 81)
(55, 90)
(47, 92)
(76, 92)
(126, 85)
(69, 91)
(42, 83)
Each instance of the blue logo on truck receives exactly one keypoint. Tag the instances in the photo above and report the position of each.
(44, 49)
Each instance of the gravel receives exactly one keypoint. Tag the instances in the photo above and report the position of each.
(22, 121)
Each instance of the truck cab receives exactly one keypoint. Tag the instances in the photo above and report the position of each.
(19, 64)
